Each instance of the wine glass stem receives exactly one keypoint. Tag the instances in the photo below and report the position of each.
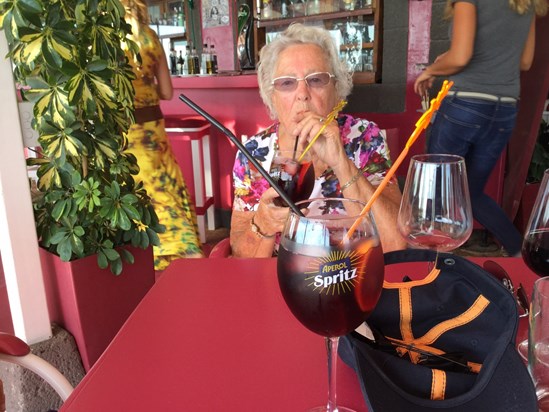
(331, 347)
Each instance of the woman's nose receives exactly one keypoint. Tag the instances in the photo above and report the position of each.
(303, 91)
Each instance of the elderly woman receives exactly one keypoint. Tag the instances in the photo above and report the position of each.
(301, 79)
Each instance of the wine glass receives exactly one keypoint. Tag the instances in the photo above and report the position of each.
(330, 278)
(435, 211)
(293, 176)
(535, 246)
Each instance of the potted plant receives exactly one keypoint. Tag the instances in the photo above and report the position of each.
(70, 59)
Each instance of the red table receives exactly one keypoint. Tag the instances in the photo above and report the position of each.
(216, 335)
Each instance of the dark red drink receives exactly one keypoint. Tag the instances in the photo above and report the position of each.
(332, 292)
(294, 178)
(535, 251)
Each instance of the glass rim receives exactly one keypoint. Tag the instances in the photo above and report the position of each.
(333, 199)
(442, 158)
(544, 291)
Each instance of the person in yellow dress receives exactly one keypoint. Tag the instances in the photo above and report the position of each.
(147, 140)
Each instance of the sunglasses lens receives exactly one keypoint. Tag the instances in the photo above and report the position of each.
(285, 84)
(289, 84)
(318, 79)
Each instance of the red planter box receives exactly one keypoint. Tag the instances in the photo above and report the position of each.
(92, 303)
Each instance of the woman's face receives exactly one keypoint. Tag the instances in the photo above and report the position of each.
(300, 61)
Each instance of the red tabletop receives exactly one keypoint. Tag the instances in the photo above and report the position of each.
(216, 335)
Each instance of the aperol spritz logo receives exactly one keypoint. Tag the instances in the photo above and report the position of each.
(336, 273)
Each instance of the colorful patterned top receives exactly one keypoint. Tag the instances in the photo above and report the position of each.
(364, 144)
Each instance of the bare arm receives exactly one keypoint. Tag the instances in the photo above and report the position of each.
(330, 151)
(268, 218)
(385, 208)
(527, 56)
(165, 88)
(460, 52)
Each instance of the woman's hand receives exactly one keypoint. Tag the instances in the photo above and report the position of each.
(270, 218)
(423, 83)
(328, 147)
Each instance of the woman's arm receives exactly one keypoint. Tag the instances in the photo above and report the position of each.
(331, 152)
(163, 78)
(527, 56)
(461, 48)
(385, 208)
(266, 221)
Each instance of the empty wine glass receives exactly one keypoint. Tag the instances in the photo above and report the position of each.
(435, 211)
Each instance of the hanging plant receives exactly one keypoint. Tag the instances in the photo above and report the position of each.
(71, 61)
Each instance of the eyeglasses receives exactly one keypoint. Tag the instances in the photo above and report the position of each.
(313, 80)
(499, 273)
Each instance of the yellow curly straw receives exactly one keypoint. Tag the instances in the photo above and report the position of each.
(421, 124)
(331, 116)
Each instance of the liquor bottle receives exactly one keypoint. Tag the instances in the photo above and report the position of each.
(204, 60)
(180, 63)
(173, 62)
(189, 67)
(284, 9)
(180, 17)
(209, 63)
(196, 61)
(213, 56)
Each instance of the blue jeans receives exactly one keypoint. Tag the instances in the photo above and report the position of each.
(478, 130)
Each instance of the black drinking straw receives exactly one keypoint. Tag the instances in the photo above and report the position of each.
(241, 147)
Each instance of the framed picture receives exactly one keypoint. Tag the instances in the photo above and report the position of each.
(215, 13)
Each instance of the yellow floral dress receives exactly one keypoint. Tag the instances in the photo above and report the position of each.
(159, 170)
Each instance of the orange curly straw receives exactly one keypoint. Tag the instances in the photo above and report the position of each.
(421, 124)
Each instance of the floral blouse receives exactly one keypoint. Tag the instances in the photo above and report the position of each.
(364, 145)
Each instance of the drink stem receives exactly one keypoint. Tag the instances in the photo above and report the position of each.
(331, 347)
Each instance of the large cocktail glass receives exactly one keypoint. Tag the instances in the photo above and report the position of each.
(330, 282)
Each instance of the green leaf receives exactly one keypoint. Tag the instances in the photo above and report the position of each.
(154, 239)
(79, 231)
(97, 65)
(116, 267)
(58, 209)
(102, 260)
(64, 250)
(77, 245)
(124, 222)
(111, 254)
(127, 256)
(58, 237)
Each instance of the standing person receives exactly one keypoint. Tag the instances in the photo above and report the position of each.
(147, 140)
(491, 42)
(301, 79)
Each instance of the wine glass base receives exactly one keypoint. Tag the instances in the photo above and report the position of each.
(325, 409)
(522, 349)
